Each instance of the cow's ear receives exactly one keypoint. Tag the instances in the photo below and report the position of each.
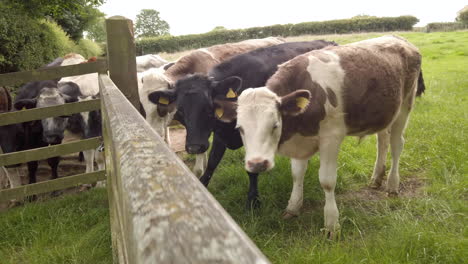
(225, 110)
(163, 98)
(295, 103)
(25, 104)
(227, 88)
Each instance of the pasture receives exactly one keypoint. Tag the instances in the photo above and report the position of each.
(426, 224)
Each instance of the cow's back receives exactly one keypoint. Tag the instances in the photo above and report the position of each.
(379, 76)
(202, 60)
(255, 67)
(366, 82)
(224, 52)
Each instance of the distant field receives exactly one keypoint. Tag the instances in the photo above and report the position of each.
(426, 224)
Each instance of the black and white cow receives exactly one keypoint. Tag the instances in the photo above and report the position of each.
(197, 99)
(41, 133)
(317, 99)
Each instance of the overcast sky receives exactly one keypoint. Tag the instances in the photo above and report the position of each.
(198, 16)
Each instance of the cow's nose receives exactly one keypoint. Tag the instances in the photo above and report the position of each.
(195, 149)
(257, 165)
(53, 139)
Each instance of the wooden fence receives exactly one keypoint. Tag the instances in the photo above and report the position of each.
(159, 211)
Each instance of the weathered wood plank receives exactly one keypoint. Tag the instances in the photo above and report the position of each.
(15, 78)
(160, 211)
(51, 111)
(122, 57)
(48, 152)
(52, 185)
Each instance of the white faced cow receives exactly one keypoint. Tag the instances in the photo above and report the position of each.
(149, 61)
(314, 100)
(86, 124)
(198, 61)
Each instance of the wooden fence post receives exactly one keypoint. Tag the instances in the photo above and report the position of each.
(121, 57)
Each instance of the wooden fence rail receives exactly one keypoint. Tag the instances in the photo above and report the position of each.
(15, 78)
(49, 152)
(160, 212)
(51, 111)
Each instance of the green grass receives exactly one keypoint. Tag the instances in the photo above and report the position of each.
(427, 224)
(69, 229)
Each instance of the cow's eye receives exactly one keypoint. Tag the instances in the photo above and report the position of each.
(275, 126)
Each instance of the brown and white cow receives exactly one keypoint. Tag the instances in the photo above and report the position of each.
(314, 100)
(198, 61)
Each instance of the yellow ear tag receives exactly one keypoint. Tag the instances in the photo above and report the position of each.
(24, 108)
(231, 94)
(163, 100)
(219, 112)
(302, 102)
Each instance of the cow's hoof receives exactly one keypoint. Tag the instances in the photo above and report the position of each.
(288, 215)
(85, 187)
(375, 184)
(31, 198)
(205, 181)
(253, 204)
(392, 194)
(332, 235)
(198, 172)
(55, 193)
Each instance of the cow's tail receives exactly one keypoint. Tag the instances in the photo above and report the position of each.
(421, 86)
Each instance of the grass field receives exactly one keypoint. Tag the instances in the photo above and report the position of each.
(426, 224)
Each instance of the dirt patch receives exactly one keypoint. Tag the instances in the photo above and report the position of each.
(177, 136)
(409, 188)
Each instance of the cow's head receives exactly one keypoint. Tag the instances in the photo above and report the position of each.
(197, 98)
(52, 128)
(259, 121)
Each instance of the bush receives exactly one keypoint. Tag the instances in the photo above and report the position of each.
(446, 26)
(27, 43)
(360, 24)
(88, 48)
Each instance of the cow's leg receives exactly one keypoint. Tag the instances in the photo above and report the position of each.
(216, 154)
(4, 178)
(383, 140)
(396, 142)
(53, 163)
(101, 162)
(14, 176)
(252, 195)
(89, 159)
(200, 164)
(167, 136)
(32, 168)
(298, 169)
(329, 148)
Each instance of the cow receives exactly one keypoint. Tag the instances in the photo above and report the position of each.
(197, 98)
(85, 125)
(48, 131)
(11, 137)
(198, 61)
(87, 88)
(149, 61)
(314, 100)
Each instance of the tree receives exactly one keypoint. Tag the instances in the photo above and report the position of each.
(97, 31)
(462, 15)
(149, 24)
(73, 16)
(218, 28)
